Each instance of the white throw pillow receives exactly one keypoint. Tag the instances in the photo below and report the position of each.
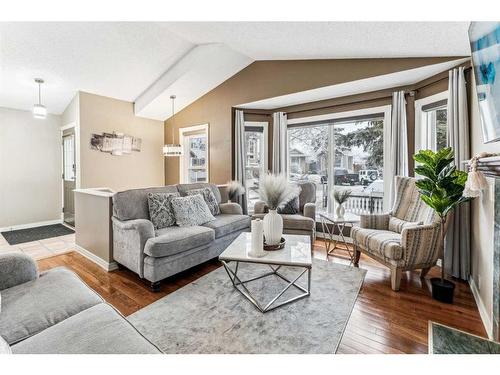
(191, 210)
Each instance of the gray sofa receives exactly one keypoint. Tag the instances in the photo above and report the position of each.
(56, 313)
(156, 255)
(302, 223)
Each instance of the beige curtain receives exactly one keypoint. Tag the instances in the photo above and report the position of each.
(239, 157)
(398, 151)
(457, 244)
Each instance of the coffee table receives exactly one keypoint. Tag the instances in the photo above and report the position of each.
(296, 253)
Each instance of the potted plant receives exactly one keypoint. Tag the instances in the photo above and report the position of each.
(340, 196)
(441, 188)
(275, 191)
(234, 190)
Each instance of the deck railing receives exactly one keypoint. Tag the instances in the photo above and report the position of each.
(364, 204)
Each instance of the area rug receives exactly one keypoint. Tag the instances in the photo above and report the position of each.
(210, 316)
(15, 237)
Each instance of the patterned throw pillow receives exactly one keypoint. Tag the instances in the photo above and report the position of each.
(397, 225)
(291, 208)
(161, 212)
(209, 197)
(191, 210)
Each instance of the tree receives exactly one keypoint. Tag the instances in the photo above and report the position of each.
(371, 139)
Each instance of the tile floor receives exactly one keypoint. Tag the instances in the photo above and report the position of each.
(43, 248)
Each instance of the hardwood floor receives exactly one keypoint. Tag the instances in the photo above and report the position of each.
(383, 321)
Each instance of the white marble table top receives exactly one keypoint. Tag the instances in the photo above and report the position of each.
(297, 251)
(348, 218)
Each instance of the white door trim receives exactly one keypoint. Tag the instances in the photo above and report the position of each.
(205, 129)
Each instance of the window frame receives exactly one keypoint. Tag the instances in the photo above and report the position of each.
(184, 162)
(265, 145)
(424, 139)
(339, 117)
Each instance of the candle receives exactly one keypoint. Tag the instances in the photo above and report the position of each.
(257, 246)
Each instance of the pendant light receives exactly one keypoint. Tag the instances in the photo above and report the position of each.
(172, 149)
(39, 110)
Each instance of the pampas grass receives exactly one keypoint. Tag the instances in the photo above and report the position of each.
(234, 190)
(276, 191)
(341, 196)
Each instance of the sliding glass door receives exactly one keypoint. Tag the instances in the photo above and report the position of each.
(341, 154)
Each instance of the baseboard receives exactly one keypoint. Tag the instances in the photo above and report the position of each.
(488, 325)
(30, 225)
(94, 258)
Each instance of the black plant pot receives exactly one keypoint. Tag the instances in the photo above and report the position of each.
(442, 291)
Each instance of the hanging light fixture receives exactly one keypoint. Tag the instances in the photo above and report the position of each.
(172, 149)
(39, 110)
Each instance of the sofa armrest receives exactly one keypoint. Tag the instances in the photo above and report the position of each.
(129, 238)
(259, 207)
(421, 244)
(15, 269)
(231, 208)
(374, 221)
(310, 210)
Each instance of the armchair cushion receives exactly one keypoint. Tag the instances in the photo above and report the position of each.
(173, 240)
(294, 222)
(375, 221)
(225, 224)
(15, 269)
(397, 225)
(383, 243)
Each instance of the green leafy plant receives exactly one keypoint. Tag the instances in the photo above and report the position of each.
(442, 185)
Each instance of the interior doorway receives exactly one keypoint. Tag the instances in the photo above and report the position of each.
(68, 175)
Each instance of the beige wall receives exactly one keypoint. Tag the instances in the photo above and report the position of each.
(482, 223)
(30, 168)
(99, 114)
(265, 79)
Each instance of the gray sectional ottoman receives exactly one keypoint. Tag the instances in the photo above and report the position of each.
(56, 313)
(157, 254)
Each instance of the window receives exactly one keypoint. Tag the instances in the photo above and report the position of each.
(69, 157)
(341, 154)
(256, 159)
(431, 122)
(194, 161)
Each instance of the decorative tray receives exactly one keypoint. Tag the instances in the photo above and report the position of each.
(278, 246)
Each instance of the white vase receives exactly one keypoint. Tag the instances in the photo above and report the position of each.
(273, 227)
(340, 211)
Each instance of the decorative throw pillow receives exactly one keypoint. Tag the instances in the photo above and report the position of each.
(397, 225)
(291, 207)
(209, 197)
(161, 212)
(191, 210)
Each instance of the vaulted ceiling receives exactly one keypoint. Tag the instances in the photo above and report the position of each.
(147, 62)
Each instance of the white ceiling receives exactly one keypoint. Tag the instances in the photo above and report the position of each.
(128, 60)
(402, 78)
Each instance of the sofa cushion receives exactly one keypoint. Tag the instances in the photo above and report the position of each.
(97, 330)
(174, 240)
(191, 210)
(209, 198)
(36, 305)
(160, 209)
(383, 243)
(133, 204)
(295, 222)
(225, 224)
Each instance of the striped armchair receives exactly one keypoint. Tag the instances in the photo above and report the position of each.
(407, 238)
